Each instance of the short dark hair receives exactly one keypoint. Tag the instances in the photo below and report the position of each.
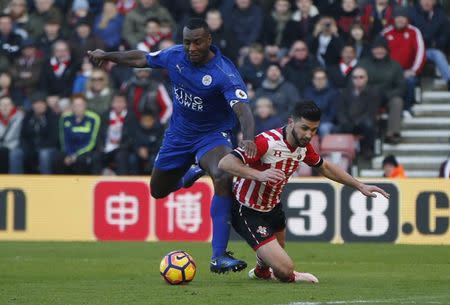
(307, 110)
(120, 94)
(390, 160)
(153, 19)
(319, 69)
(197, 23)
(78, 96)
(148, 112)
(4, 15)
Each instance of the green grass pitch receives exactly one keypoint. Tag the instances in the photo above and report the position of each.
(38, 273)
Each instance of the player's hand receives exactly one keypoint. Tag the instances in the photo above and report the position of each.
(371, 190)
(97, 56)
(250, 148)
(271, 175)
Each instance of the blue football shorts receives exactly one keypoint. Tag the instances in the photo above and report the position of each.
(177, 152)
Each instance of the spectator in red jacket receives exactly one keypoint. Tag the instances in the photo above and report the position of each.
(376, 16)
(408, 49)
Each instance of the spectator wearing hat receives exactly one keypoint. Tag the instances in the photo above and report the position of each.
(39, 137)
(408, 49)
(26, 70)
(83, 39)
(59, 71)
(281, 91)
(432, 21)
(10, 125)
(45, 10)
(10, 42)
(108, 26)
(144, 93)
(52, 33)
(79, 11)
(133, 30)
(386, 75)
(391, 168)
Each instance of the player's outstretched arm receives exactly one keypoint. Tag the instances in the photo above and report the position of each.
(245, 116)
(236, 167)
(134, 58)
(337, 174)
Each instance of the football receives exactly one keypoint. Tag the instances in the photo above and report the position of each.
(177, 267)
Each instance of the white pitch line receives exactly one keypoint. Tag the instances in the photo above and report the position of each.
(397, 301)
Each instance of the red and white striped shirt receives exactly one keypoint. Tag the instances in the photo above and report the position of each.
(273, 151)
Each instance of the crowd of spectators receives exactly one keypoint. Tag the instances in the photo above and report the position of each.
(61, 114)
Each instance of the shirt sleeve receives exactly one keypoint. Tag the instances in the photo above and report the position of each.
(312, 158)
(234, 89)
(262, 146)
(158, 59)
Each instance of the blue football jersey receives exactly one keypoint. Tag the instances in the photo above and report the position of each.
(203, 96)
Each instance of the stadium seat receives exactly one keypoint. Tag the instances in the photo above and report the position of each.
(339, 149)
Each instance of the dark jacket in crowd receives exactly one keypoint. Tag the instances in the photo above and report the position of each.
(245, 25)
(337, 77)
(325, 99)
(58, 85)
(300, 72)
(253, 74)
(435, 30)
(333, 52)
(269, 123)
(353, 109)
(10, 46)
(283, 94)
(226, 43)
(39, 132)
(129, 129)
(385, 75)
(298, 30)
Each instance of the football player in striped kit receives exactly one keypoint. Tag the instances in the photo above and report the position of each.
(257, 213)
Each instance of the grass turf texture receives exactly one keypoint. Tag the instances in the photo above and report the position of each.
(35, 273)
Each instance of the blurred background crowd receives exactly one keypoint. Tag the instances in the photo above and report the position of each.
(360, 61)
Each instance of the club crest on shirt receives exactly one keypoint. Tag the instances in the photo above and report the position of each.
(207, 80)
(262, 231)
(241, 94)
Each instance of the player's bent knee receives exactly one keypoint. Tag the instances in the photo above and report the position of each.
(221, 177)
(158, 194)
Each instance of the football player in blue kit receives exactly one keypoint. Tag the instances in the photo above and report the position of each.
(208, 93)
